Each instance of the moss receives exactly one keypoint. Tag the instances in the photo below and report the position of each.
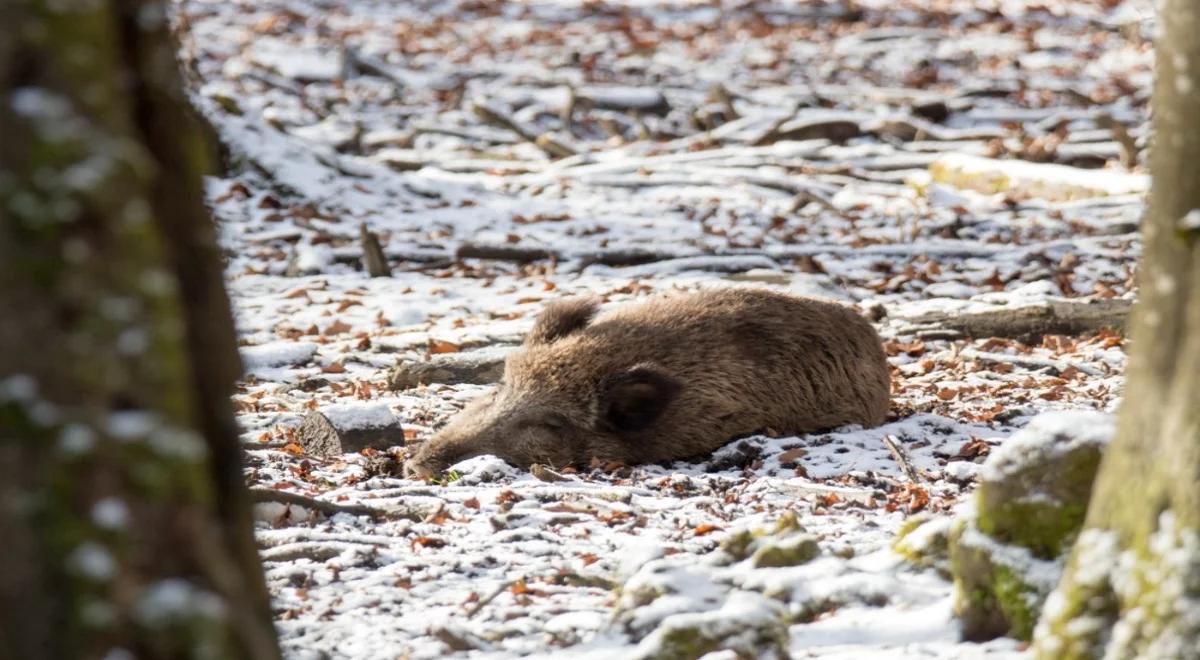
(767, 639)
(738, 545)
(744, 543)
(684, 644)
(793, 550)
(1013, 596)
(929, 549)
(1046, 529)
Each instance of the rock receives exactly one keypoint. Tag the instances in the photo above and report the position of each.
(479, 367)
(348, 428)
(793, 550)
(924, 541)
(277, 354)
(1007, 553)
(785, 545)
(749, 624)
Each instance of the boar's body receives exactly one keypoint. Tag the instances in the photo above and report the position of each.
(674, 377)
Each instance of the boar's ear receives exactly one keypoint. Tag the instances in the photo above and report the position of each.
(632, 400)
(561, 318)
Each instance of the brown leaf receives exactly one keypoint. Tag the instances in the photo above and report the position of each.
(792, 455)
(337, 327)
(706, 528)
(427, 542)
(438, 346)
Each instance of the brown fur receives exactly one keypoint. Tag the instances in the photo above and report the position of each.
(674, 377)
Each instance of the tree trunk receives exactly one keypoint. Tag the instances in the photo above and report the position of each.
(1132, 584)
(124, 520)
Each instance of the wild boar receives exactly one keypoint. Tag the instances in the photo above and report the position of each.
(674, 377)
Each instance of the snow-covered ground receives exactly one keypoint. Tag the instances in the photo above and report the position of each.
(750, 143)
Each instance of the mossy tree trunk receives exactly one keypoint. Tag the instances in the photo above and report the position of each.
(1132, 585)
(124, 523)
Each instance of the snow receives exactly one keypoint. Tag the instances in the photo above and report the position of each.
(110, 513)
(92, 561)
(1049, 434)
(370, 415)
(277, 354)
(1055, 182)
(176, 601)
(495, 563)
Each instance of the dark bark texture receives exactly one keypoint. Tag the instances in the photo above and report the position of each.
(124, 520)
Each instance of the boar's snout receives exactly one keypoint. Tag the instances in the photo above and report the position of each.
(414, 469)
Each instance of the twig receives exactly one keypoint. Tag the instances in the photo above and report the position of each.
(553, 147)
(482, 602)
(901, 457)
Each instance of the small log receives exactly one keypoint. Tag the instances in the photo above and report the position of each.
(348, 428)
(373, 256)
(1028, 323)
(480, 367)
(624, 99)
(503, 253)
(733, 263)
(834, 130)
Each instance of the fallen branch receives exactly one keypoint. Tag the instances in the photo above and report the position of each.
(287, 498)
(1053, 367)
(901, 457)
(504, 253)
(1027, 323)
(547, 142)
(482, 602)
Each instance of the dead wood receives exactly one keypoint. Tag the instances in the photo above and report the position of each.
(373, 256)
(348, 429)
(270, 495)
(1027, 323)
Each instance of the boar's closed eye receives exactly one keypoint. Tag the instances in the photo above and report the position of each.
(634, 399)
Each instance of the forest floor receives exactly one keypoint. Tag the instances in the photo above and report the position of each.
(822, 148)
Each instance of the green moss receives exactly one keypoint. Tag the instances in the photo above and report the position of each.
(933, 548)
(1046, 529)
(768, 639)
(1013, 597)
(793, 550)
(684, 644)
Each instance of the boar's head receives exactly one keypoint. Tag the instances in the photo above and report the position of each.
(564, 400)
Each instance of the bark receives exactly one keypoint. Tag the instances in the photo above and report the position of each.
(124, 521)
(1132, 585)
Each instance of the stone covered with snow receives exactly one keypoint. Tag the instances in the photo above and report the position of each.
(1007, 549)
